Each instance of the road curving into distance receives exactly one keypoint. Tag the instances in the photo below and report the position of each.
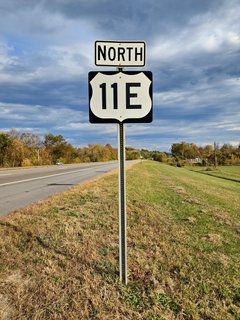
(20, 187)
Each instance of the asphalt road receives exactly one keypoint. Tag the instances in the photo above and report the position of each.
(20, 187)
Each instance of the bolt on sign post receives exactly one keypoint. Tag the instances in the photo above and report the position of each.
(120, 97)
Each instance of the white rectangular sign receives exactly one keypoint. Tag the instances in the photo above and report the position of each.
(120, 54)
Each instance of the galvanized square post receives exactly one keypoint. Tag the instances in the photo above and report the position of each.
(122, 205)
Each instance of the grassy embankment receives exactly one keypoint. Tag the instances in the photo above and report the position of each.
(59, 259)
(231, 173)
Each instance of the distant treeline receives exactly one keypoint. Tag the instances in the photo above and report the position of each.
(20, 149)
(29, 149)
(209, 155)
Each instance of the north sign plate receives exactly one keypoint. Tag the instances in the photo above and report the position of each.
(120, 54)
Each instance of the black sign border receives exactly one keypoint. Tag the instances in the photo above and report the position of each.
(94, 119)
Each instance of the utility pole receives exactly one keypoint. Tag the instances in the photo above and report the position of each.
(215, 155)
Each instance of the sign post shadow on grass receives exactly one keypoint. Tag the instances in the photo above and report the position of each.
(120, 97)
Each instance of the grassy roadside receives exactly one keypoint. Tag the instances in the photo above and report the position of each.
(59, 259)
(231, 173)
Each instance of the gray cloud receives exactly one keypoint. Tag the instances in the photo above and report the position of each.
(144, 17)
(46, 52)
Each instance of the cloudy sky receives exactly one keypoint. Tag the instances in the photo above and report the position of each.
(193, 51)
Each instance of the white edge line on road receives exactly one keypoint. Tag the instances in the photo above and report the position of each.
(43, 177)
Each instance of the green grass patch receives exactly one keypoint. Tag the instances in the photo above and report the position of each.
(231, 173)
(59, 259)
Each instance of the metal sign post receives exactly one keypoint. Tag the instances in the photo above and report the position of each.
(122, 226)
(122, 205)
(120, 97)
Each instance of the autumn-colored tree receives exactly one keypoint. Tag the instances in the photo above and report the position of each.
(159, 156)
(132, 154)
(184, 150)
(17, 154)
(6, 143)
(97, 152)
(58, 148)
(32, 145)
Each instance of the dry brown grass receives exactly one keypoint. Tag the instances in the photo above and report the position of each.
(59, 258)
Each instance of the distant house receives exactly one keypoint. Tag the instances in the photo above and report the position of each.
(195, 161)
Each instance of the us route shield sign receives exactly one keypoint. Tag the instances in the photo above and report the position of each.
(120, 97)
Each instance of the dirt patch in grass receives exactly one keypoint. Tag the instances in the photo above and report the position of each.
(59, 259)
(213, 238)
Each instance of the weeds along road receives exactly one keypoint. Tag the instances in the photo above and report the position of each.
(20, 187)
